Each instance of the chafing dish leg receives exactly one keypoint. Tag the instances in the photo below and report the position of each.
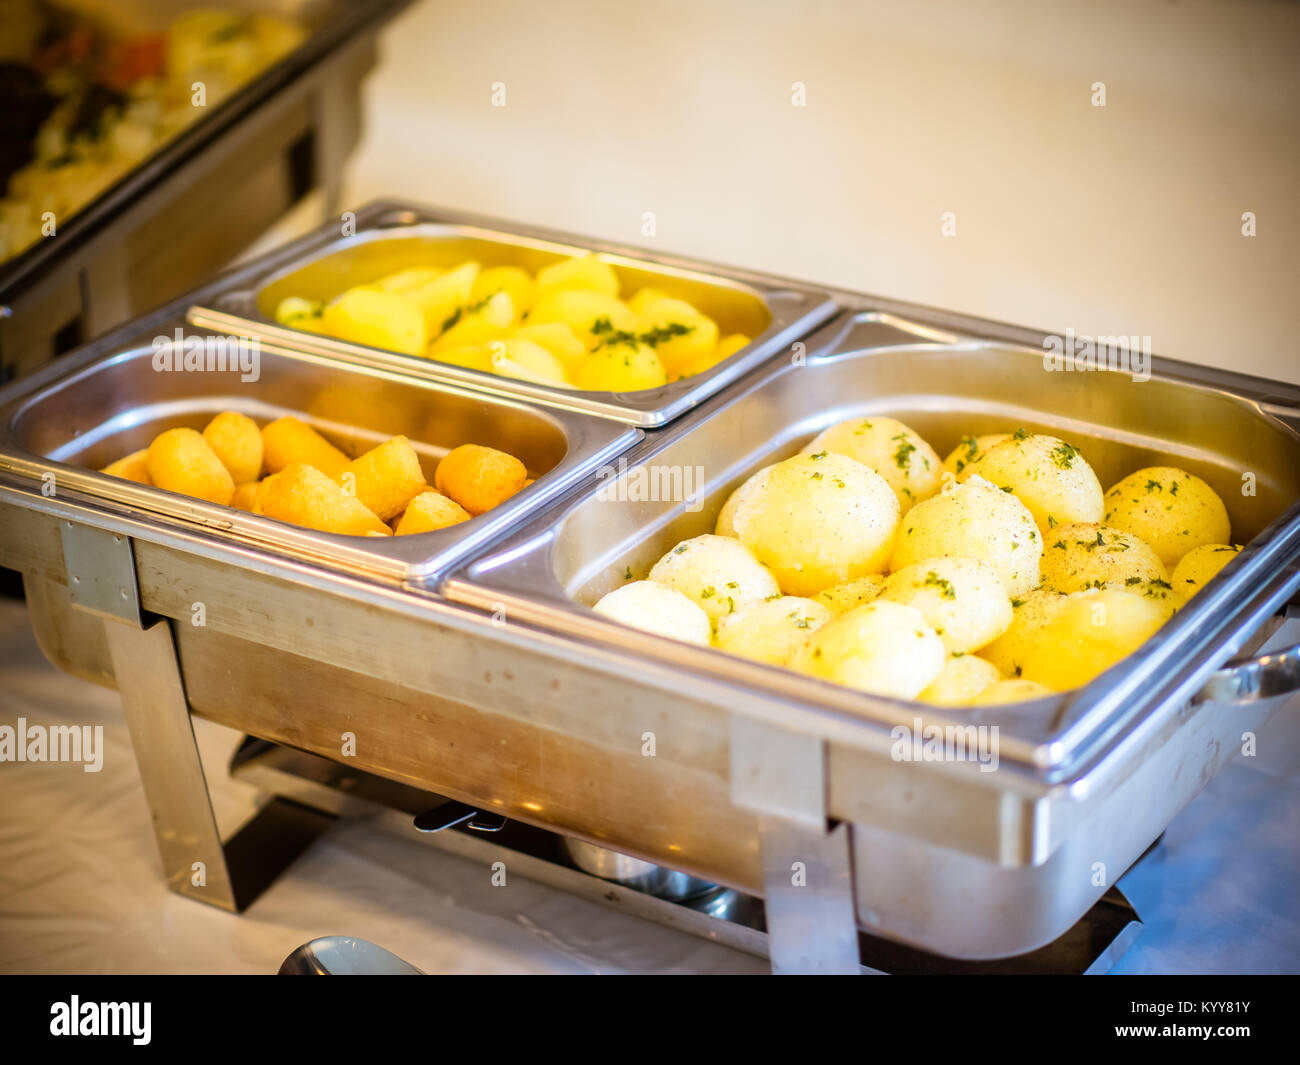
(808, 898)
(195, 861)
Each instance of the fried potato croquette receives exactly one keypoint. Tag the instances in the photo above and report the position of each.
(1084, 554)
(770, 630)
(818, 520)
(970, 448)
(479, 478)
(1088, 636)
(180, 460)
(245, 497)
(962, 599)
(386, 478)
(1012, 690)
(1196, 568)
(428, 512)
(973, 520)
(960, 681)
(840, 598)
(237, 441)
(132, 467)
(718, 573)
(288, 440)
(1170, 509)
(302, 495)
(891, 449)
(884, 648)
(1046, 474)
(654, 608)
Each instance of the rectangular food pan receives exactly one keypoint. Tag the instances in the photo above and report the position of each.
(81, 416)
(392, 237)
(551, 573)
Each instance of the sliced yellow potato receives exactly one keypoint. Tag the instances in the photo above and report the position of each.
(581, 272)
(369, 315)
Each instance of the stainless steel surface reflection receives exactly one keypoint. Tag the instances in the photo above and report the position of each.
(345, 956)
(640, 875)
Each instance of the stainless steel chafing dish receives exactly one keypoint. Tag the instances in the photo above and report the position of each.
(391, 237)
(100, 406)
(497, 688)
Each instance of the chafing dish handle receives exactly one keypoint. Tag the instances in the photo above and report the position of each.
(1248, 680)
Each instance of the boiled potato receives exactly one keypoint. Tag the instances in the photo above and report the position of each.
(727, 347)
(770, 630)
(892, 449)
(1195, 568)
(428, 512)
(237, 441)
(369, 315)
(558, 339)
(1170, 509)
(479, 478)
(726, 524)
(1089, 636)
(478, 323)
(1046, 474)
(680, 334)
(440, 299)
(526, 361)
(843, 597)
(962, 599)
(512, 280)
(1160, 592)
(818, 520)
(1030, 613)
(582, 273)
(962, 679)
(472, 356)
(884, 648)
(386, 478)
(288, 440)
(1084, 554)
(180, 460)
(293, 311)
(1013, 690)
(592, 316)
(302, 495)
(973, 520)
(716, 572)
(132, 467)
(655, 608)
(417, 277)
(620, 368)
(970, 448)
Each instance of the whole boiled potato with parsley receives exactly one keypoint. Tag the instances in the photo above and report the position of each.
(1088, 555)
(973, 520)
(843, 597)
(1011, 690)
(970, 448)
(1046, 474)
(655, 608)
(715, 572)
(817, 520)
(1170, 509)
(726, 523)
(1029, 613)
(770, 630)
(884, 648)
(961, 680)
(568, 326)
(907, 463)
(1088, 636)
(962, 599)
(1198, 566)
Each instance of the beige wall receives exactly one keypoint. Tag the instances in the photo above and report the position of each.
(1117, 220)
